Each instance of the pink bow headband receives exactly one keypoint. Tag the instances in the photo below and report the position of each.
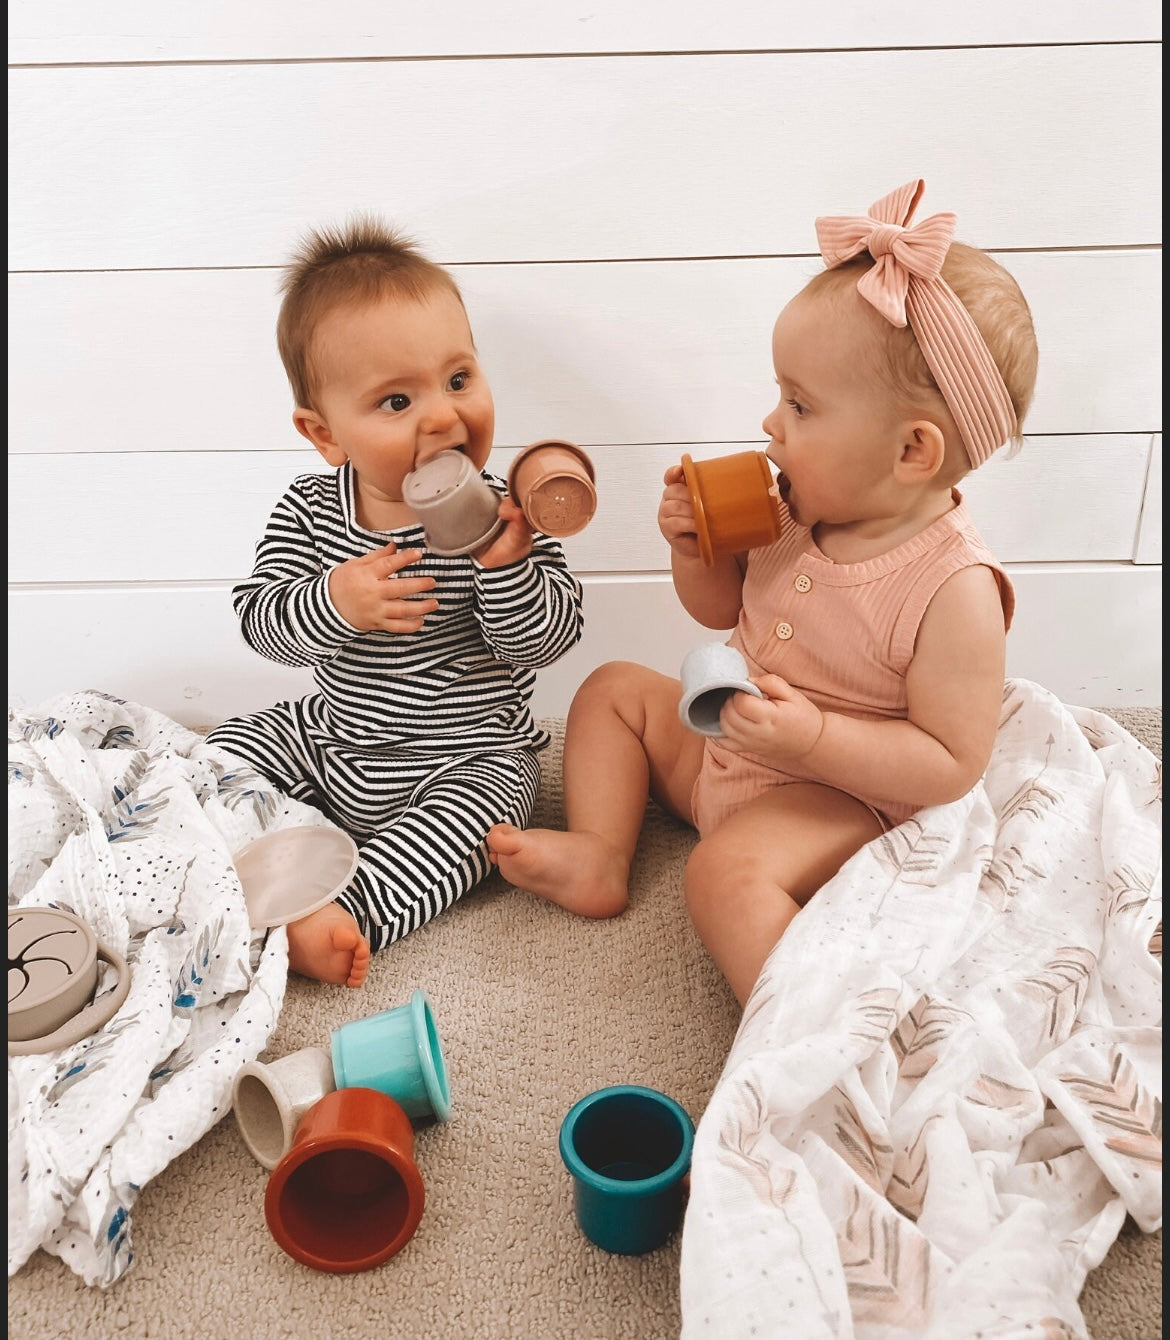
(905, 284)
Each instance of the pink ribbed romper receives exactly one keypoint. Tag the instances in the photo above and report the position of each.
(842, 633)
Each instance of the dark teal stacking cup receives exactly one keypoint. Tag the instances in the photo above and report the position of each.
(628, 1150)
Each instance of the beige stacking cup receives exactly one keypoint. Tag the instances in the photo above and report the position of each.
(271, 1097)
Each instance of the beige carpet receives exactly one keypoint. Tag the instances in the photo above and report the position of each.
(535, 1009)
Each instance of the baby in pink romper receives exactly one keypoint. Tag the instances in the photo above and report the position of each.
(875, 627)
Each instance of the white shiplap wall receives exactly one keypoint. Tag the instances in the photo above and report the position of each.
(626, 193)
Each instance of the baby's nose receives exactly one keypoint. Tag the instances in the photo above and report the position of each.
(439, 417)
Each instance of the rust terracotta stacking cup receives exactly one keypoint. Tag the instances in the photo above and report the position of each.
(552, 481)
(735, 501)
(348, 1194)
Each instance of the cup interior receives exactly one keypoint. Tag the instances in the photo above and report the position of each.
(627, 1139)
(348, 1194)
(346, 1208)
(704, 708)
(261, 1119)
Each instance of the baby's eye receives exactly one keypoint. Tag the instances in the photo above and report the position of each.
(395, 403)
(796, 407)
(458, 381)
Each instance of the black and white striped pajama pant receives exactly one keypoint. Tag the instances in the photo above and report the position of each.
(420, 820)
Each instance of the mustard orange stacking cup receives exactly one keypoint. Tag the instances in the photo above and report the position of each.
(735, 502)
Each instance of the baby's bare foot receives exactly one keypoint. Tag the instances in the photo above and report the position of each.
(328, 946)
(577, 871)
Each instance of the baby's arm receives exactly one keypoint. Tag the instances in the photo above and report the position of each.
(712, 596)
(295, 611)
(371, 593)
(954, 690)
(528, 602)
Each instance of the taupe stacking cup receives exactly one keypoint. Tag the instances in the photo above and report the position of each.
(458, 508)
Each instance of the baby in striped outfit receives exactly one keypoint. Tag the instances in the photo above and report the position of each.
(420, 736)
(874, 627)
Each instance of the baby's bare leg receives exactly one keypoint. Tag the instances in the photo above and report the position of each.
(747, 880)
(328, 946)
(623, 743)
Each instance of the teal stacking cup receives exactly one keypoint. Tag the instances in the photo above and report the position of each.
(397, 1052)
(628, 1150)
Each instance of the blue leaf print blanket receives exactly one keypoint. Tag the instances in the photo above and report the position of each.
(130, 820)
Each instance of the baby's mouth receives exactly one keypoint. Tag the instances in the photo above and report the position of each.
(460, 448)
(783, 487)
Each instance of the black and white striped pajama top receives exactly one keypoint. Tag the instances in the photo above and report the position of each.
(415, 743)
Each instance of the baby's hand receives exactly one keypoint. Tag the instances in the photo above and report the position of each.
(513, 543)
(368, 592)
(783, 726)
(676, 515)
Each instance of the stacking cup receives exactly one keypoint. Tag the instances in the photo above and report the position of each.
(348, 1194)
(397, 1052)
(270, 1098)
(711, 673)
(628, 1149)
(735, 502)
(458, 508)
(553, 484)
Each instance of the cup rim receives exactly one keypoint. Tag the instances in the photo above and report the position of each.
(688, 700)
(434, 1068)
(702, 526)
(524, 452)
(614, 1186)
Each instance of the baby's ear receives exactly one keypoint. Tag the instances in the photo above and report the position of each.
(924, 449)
(310, 424)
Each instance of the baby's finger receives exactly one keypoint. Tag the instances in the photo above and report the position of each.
(409, 618)
(772, 686)
(391, 559)
(510, 510)
(401, 588)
